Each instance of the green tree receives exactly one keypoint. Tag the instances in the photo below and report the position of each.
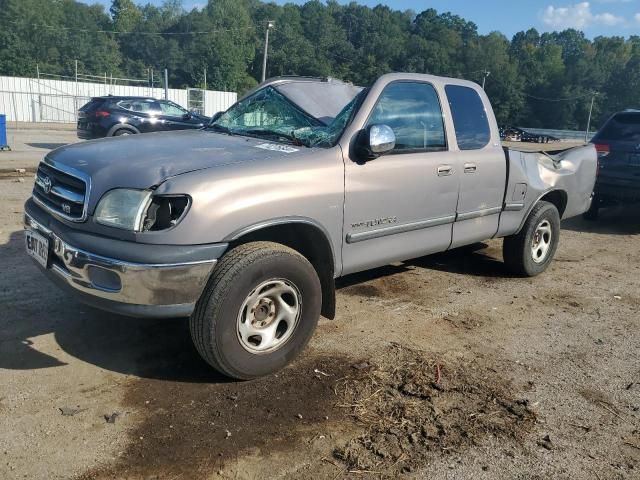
(125, 15)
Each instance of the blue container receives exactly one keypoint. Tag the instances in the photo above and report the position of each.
(3, 131)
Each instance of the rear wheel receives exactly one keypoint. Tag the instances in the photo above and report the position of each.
(123, 131)
(258, 311)
(529, 252)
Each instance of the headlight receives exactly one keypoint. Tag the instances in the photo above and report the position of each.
(165, 211)
(123, 208)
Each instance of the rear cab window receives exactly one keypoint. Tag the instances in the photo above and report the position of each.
(412, 110)
(469, 117)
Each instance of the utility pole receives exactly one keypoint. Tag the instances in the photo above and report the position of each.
(270, 25)
(75, 99)
(586, 134)
(484, 78)
(166, 84)
(205, 78)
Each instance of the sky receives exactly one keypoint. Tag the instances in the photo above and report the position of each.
(597, 17)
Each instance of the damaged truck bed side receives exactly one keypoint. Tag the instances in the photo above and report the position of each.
(243, 226)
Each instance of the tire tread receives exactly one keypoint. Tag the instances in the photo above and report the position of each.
(226, 271)
(514, 246)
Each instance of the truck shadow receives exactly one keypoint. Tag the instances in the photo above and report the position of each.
(618, 220)
(475, 260)
(34, 309)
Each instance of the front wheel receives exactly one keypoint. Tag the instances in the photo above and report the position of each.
(258, 311)
(123, 132)
(529, 252)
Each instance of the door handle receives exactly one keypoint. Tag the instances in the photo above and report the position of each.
(445, 170)
(470, 168)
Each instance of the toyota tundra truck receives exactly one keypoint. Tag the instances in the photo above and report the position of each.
(243, 226)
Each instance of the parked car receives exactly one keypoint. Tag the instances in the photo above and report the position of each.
(516, 134)
(243, 226)
(509, 134)
(618, 147)
(115, 116)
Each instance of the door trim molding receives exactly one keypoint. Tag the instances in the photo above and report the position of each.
(478, 213)
(396, 229)
(513, 207)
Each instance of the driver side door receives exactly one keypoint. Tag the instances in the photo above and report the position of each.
(401, 205)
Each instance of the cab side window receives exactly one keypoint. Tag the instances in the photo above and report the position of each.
(412, 110)
(171, 109)
(469, 117)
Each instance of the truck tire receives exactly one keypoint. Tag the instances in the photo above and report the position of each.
(594, 209)
(529, 252)
(258, 310)
(123, 131)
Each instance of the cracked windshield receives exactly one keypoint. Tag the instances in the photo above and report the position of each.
(267, 113)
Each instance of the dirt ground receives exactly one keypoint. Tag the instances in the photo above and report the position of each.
(443, 367)
(30, 142)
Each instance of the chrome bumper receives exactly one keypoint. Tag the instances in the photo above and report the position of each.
(124, 283)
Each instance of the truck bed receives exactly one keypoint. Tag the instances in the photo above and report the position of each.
(567, 174)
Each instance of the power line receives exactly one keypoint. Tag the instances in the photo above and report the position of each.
(566, 99)
(113, 32)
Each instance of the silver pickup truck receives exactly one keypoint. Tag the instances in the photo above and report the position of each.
(244, 225)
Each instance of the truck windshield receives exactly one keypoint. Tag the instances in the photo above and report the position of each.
(267, 113)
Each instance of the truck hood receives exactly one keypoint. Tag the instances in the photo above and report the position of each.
(143, 161)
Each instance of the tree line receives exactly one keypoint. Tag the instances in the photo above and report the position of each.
(536, 79)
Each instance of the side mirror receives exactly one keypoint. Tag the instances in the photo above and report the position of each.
(187, 116)
(377, 140)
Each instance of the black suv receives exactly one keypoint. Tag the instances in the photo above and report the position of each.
(618, 147)
(113, 116)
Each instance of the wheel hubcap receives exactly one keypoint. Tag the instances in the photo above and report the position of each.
(268, 316)
(541, 243)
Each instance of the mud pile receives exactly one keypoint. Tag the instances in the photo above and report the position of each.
(413, 407)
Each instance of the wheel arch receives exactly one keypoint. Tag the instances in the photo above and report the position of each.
(556, 197)
(306, 237)
(121, 126)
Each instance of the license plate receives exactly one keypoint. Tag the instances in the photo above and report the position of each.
(634, 159)
(37, 246)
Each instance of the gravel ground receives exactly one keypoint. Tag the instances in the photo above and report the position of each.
(30, 142)
(442, 367)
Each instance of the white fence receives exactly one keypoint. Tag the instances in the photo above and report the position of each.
(44, 100)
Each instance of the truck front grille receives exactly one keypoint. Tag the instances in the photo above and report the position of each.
(62, 191)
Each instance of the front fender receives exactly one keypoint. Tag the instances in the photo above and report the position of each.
(232, 200)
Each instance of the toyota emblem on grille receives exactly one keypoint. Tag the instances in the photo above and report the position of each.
(46, 185)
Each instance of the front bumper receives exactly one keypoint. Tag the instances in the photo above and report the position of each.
(161, 290)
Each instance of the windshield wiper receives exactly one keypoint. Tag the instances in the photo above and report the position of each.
(272, 133)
